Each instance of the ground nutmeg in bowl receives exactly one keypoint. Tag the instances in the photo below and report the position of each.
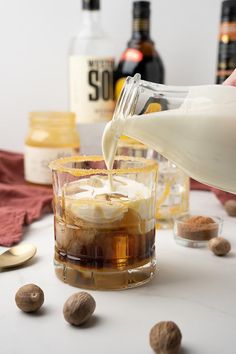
(200, 228)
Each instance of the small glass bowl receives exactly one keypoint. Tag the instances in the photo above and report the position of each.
(193, 235)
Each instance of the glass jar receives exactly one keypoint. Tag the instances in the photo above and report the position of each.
(172, 186)
(172, 192)
(51, 135)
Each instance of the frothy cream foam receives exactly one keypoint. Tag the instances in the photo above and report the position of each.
(92, 200)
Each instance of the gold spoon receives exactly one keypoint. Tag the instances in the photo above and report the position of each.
(17, 255)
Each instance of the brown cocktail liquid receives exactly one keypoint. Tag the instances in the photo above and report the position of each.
(104, 239)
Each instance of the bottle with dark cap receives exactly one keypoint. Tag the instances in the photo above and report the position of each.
(91, 4)
(140, 56)
(227, 41)
(91, 68)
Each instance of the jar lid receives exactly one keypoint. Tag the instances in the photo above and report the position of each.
(53, 118)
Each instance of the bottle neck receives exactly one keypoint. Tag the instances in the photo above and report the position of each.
(141, 28)
(228, 19)
(90, 17)
(91, 23)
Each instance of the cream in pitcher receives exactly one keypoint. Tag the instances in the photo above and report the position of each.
(194, 127)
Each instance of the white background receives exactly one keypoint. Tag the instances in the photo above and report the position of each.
(34, 39)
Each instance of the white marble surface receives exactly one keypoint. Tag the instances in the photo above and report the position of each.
(193, 288)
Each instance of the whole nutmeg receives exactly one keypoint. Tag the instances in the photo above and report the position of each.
(29, 298)
(78, 308)
(219, 246)
(165, 338)
(230, 207)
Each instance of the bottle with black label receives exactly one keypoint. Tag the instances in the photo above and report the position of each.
(140, 56)
(227, 41)
(91, 69)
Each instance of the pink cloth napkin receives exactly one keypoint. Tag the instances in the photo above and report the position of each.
(20, 203)
(221, 195)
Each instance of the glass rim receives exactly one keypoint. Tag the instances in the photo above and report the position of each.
(182, 220)
(59, 165)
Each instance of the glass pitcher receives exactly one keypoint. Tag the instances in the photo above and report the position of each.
(194, 127)
(173, 183)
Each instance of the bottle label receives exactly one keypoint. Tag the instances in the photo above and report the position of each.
(37, 159)
(141, 26)
(227, 51)
(227, 32)
(133, 55)
(91, 88)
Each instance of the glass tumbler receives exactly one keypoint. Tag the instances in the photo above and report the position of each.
(104, 221)
(172, 192)
(172, 187)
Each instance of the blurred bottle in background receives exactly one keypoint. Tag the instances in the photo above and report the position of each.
(140, 56)
(227, 41)
(91, 66)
